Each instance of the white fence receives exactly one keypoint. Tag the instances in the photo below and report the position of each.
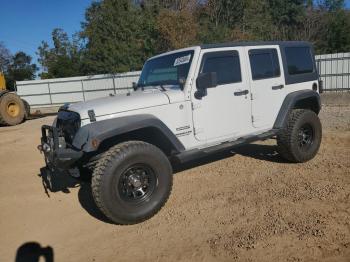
(55, 92)
(334, 70)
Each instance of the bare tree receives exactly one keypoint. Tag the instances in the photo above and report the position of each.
(5, 57)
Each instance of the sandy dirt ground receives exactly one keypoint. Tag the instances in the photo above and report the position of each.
(243, 205)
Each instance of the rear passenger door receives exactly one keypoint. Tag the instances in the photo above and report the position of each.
(267, 84)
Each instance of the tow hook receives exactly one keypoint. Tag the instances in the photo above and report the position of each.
(44, 148)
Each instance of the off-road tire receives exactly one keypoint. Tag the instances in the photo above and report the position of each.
(26, 108)
(110, 170)
(6, 118)
(289, 139)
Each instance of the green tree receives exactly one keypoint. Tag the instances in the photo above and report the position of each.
(287, 16)
(217, 19)
(63, 59)
(335, 36)
(119, 36)
(225, 13)
(21, 68)
(177, 29)
(257, 22)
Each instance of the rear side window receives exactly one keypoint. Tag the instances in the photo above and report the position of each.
(264, 63)
(299, 60)
(226, 65)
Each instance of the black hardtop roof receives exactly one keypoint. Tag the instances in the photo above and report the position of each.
(258, 43)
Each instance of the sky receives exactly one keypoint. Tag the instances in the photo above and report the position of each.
(25, 23)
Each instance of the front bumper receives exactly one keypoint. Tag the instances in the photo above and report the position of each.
(57, 154)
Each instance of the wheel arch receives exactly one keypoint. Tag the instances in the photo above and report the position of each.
(101, 135)
(3, 92)
(303, 99)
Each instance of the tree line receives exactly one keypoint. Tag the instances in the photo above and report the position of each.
(119, 35)
(16, 67)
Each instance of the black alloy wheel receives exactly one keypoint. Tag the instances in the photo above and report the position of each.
(305, 136)
(137, 183)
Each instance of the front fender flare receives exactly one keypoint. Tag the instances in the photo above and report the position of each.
(105, 129)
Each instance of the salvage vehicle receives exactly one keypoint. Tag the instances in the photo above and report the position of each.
(187, 104)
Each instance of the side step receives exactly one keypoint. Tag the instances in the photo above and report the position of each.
(198, 153)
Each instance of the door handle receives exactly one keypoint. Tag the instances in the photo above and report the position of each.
(277, 87)
(241, 93)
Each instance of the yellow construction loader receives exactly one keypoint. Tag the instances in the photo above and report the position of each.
(13, 110)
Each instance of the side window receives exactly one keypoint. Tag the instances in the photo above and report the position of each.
(264, 63)
(226, 65)
(299, 60)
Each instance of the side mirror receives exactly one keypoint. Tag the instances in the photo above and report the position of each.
(134, 86)
(204, 81)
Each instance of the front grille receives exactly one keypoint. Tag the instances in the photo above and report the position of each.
(68, 124)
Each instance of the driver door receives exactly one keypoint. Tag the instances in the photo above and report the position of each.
(225, 111)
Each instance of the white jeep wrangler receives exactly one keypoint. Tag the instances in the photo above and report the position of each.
(187, 103)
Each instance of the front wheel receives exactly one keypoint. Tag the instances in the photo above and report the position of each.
(131, 182)
(300, 140)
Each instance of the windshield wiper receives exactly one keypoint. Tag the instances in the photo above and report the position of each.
(155, 86)
(162, 87)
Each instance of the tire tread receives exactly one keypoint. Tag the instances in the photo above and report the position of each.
(284, 139)
(287, 141)
(114, 152)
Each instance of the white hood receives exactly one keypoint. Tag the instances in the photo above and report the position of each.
(121, 103)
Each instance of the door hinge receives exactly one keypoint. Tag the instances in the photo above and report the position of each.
(198, 130)
(251, 96)
(252, 118)
(195, 105)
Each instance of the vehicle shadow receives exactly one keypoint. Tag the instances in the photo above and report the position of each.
(179, 167)
(256, 151)
(62, 182)
(261, 152)
(33, 252)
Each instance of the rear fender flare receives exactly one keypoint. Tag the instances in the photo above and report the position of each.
(290, 102)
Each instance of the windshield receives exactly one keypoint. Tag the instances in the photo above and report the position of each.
(166, 70)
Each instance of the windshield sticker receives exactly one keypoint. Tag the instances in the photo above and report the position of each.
(182, 60)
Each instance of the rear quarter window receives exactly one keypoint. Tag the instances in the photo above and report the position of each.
(299, 60)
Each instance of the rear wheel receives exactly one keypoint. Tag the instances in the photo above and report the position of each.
(131, 182)
(300, 140)
(11, 109)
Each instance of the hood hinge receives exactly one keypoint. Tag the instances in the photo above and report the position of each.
(92, 116)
